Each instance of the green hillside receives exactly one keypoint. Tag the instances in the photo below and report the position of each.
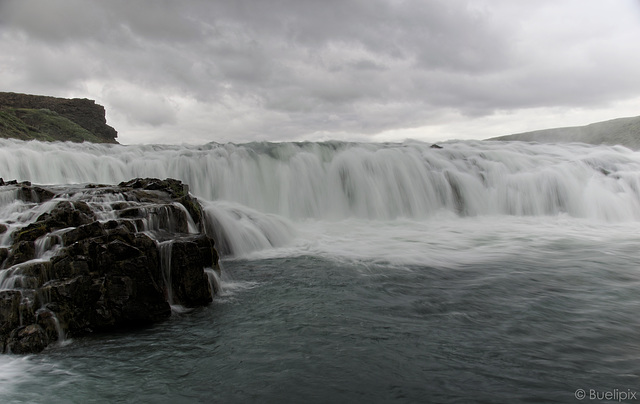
(621, 131)
(41, 124)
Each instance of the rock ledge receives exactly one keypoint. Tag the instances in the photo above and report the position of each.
(82, 259)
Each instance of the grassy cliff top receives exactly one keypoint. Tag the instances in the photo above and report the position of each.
(42, 124)
(41, 117)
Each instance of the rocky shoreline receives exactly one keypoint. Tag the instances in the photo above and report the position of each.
(82, 259)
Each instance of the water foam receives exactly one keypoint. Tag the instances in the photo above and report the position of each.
(259, 196)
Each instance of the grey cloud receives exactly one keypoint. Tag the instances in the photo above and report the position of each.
(58, 20)
(146, 108)
(53, 21)
(360, 66)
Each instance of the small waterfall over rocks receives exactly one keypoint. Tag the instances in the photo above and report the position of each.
(83, 258)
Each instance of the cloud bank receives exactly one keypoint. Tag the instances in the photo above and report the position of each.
(199, 70)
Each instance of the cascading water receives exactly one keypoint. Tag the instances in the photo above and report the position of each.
(215, 281)
(164, 250)
(254, 192)
(375, 181)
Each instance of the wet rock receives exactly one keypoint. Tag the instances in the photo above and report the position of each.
(91, 230)
(34, 273)
(4, 253)
(175, 190)
(32, 232)
(98, 274)
(67, 214)
(28, 339)
(27, 193)
(20, 252)
(9, 314)
(207, 250)
(190, 284)
(48, 321)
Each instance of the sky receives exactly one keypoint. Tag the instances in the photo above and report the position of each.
(197, 71)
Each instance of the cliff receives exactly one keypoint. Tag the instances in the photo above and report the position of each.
(27, 117)
(621, 131)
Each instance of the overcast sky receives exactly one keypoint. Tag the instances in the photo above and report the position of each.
(195, 71)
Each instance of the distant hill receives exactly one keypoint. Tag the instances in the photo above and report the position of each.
(36, 117)
(621, 131)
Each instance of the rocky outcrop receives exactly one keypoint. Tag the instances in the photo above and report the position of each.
(49, 118)
(97, 258)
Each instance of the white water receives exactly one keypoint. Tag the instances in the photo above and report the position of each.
(164, 250)
(363, 200)
(374, 181)
(454, 242)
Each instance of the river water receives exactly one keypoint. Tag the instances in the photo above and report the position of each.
(480, 272)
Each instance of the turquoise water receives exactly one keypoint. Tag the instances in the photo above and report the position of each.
(306, 329)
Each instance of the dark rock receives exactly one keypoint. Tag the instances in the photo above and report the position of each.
(28, 339)
(47, 319)
(3, 228)
(72, 299)
(436, 146)
(34, 273)
(189, 282)
(102, 275)
(9, 314)
(132, 212)
(27, 193)
(71, 262)
(123, 231)
(93, 229)
(65, 214)
(32, 232)
(27, 275)
(4, 253)
(69, 214)
(20, 252)
(208, 253)
(174, 187)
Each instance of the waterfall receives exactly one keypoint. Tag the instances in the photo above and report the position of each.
(50, 323)
(239, 230)
(47, 245)
(335, 180)
(259, 195)
(215, 282)
(164, 250)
